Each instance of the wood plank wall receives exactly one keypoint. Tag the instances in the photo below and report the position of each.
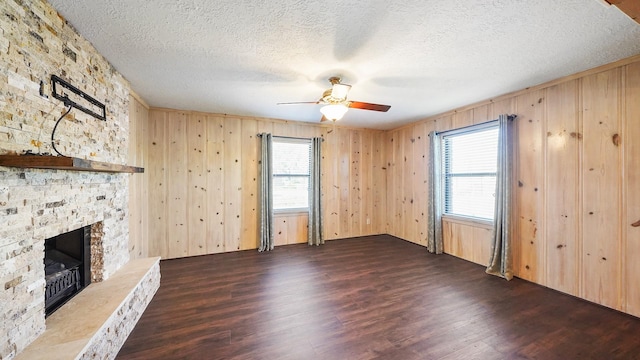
(577, 165)
(138, 190)
(577, 184)
(202, 182)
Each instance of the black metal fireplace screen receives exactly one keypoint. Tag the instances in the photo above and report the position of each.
(67, 265)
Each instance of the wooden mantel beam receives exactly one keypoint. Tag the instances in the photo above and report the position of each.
(64, 163)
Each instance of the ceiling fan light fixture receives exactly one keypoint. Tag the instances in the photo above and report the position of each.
(339, 91)
(336, 104)
(334, 112)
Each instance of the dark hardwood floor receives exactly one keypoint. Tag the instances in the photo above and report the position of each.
(366, 298)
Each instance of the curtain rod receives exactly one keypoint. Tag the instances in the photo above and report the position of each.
(289, 137)
(511, 117)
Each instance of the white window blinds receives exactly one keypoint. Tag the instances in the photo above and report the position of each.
(469, 162)
(291, 164)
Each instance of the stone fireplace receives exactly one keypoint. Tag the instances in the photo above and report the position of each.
(42, 204)
(37, 204)
(67, 267)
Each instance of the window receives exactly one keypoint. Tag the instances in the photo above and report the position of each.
(470, 161)
(291, 171)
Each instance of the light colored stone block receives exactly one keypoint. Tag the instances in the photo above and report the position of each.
(37, 204)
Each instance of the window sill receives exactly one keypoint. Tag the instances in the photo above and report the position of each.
(478, 223)
(290, 212)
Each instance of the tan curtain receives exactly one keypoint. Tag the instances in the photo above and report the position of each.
(265, 193)
(500, 263)
(315, 211)
(434, 198)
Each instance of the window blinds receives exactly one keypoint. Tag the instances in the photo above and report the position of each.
(469, 170)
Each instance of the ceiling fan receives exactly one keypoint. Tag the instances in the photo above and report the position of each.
(336, 103)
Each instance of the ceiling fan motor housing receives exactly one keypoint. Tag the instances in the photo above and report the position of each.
(337, 94)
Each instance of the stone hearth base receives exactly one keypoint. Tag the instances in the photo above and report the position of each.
(96, 322)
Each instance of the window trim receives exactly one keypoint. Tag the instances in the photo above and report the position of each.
(293, 140)
(468, 220)
(461, 218)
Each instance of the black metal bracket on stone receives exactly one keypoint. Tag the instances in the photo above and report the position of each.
(93, 107)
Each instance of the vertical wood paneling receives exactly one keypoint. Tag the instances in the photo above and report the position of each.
(298, 228)
(467, 241)
(209, 165)
(529, 199)
(443, 123)
(366, 183)
(283, 129)
(280, 230)
(233, 183)
(504, 106)
(196, 185)
(459, 239)
(344, 183)
(157, 170)
(399, 169)
(482, 238)
(331, 189)
(448, 244)
(249, 223)
(563, 140)
(177, 237)
(564, 131)
(419, 188)
(462, 118)
(406, 216)
(143, 181)
(215, 196)
(138, 188)
(601, 172)
(134, 209)
(576, 190)
(392, 180)
(631, 178)
(379, 183)
(481, 114)
(355, 184)
(406, 170)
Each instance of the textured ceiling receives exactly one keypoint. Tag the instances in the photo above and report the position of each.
(422, 57)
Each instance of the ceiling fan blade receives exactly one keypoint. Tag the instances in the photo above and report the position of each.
(299, 103)
(324, 118)
(369, 106)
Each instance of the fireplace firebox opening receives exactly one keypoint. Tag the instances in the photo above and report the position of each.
(67, 263)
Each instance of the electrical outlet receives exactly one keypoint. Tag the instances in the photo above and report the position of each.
(368, 221)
